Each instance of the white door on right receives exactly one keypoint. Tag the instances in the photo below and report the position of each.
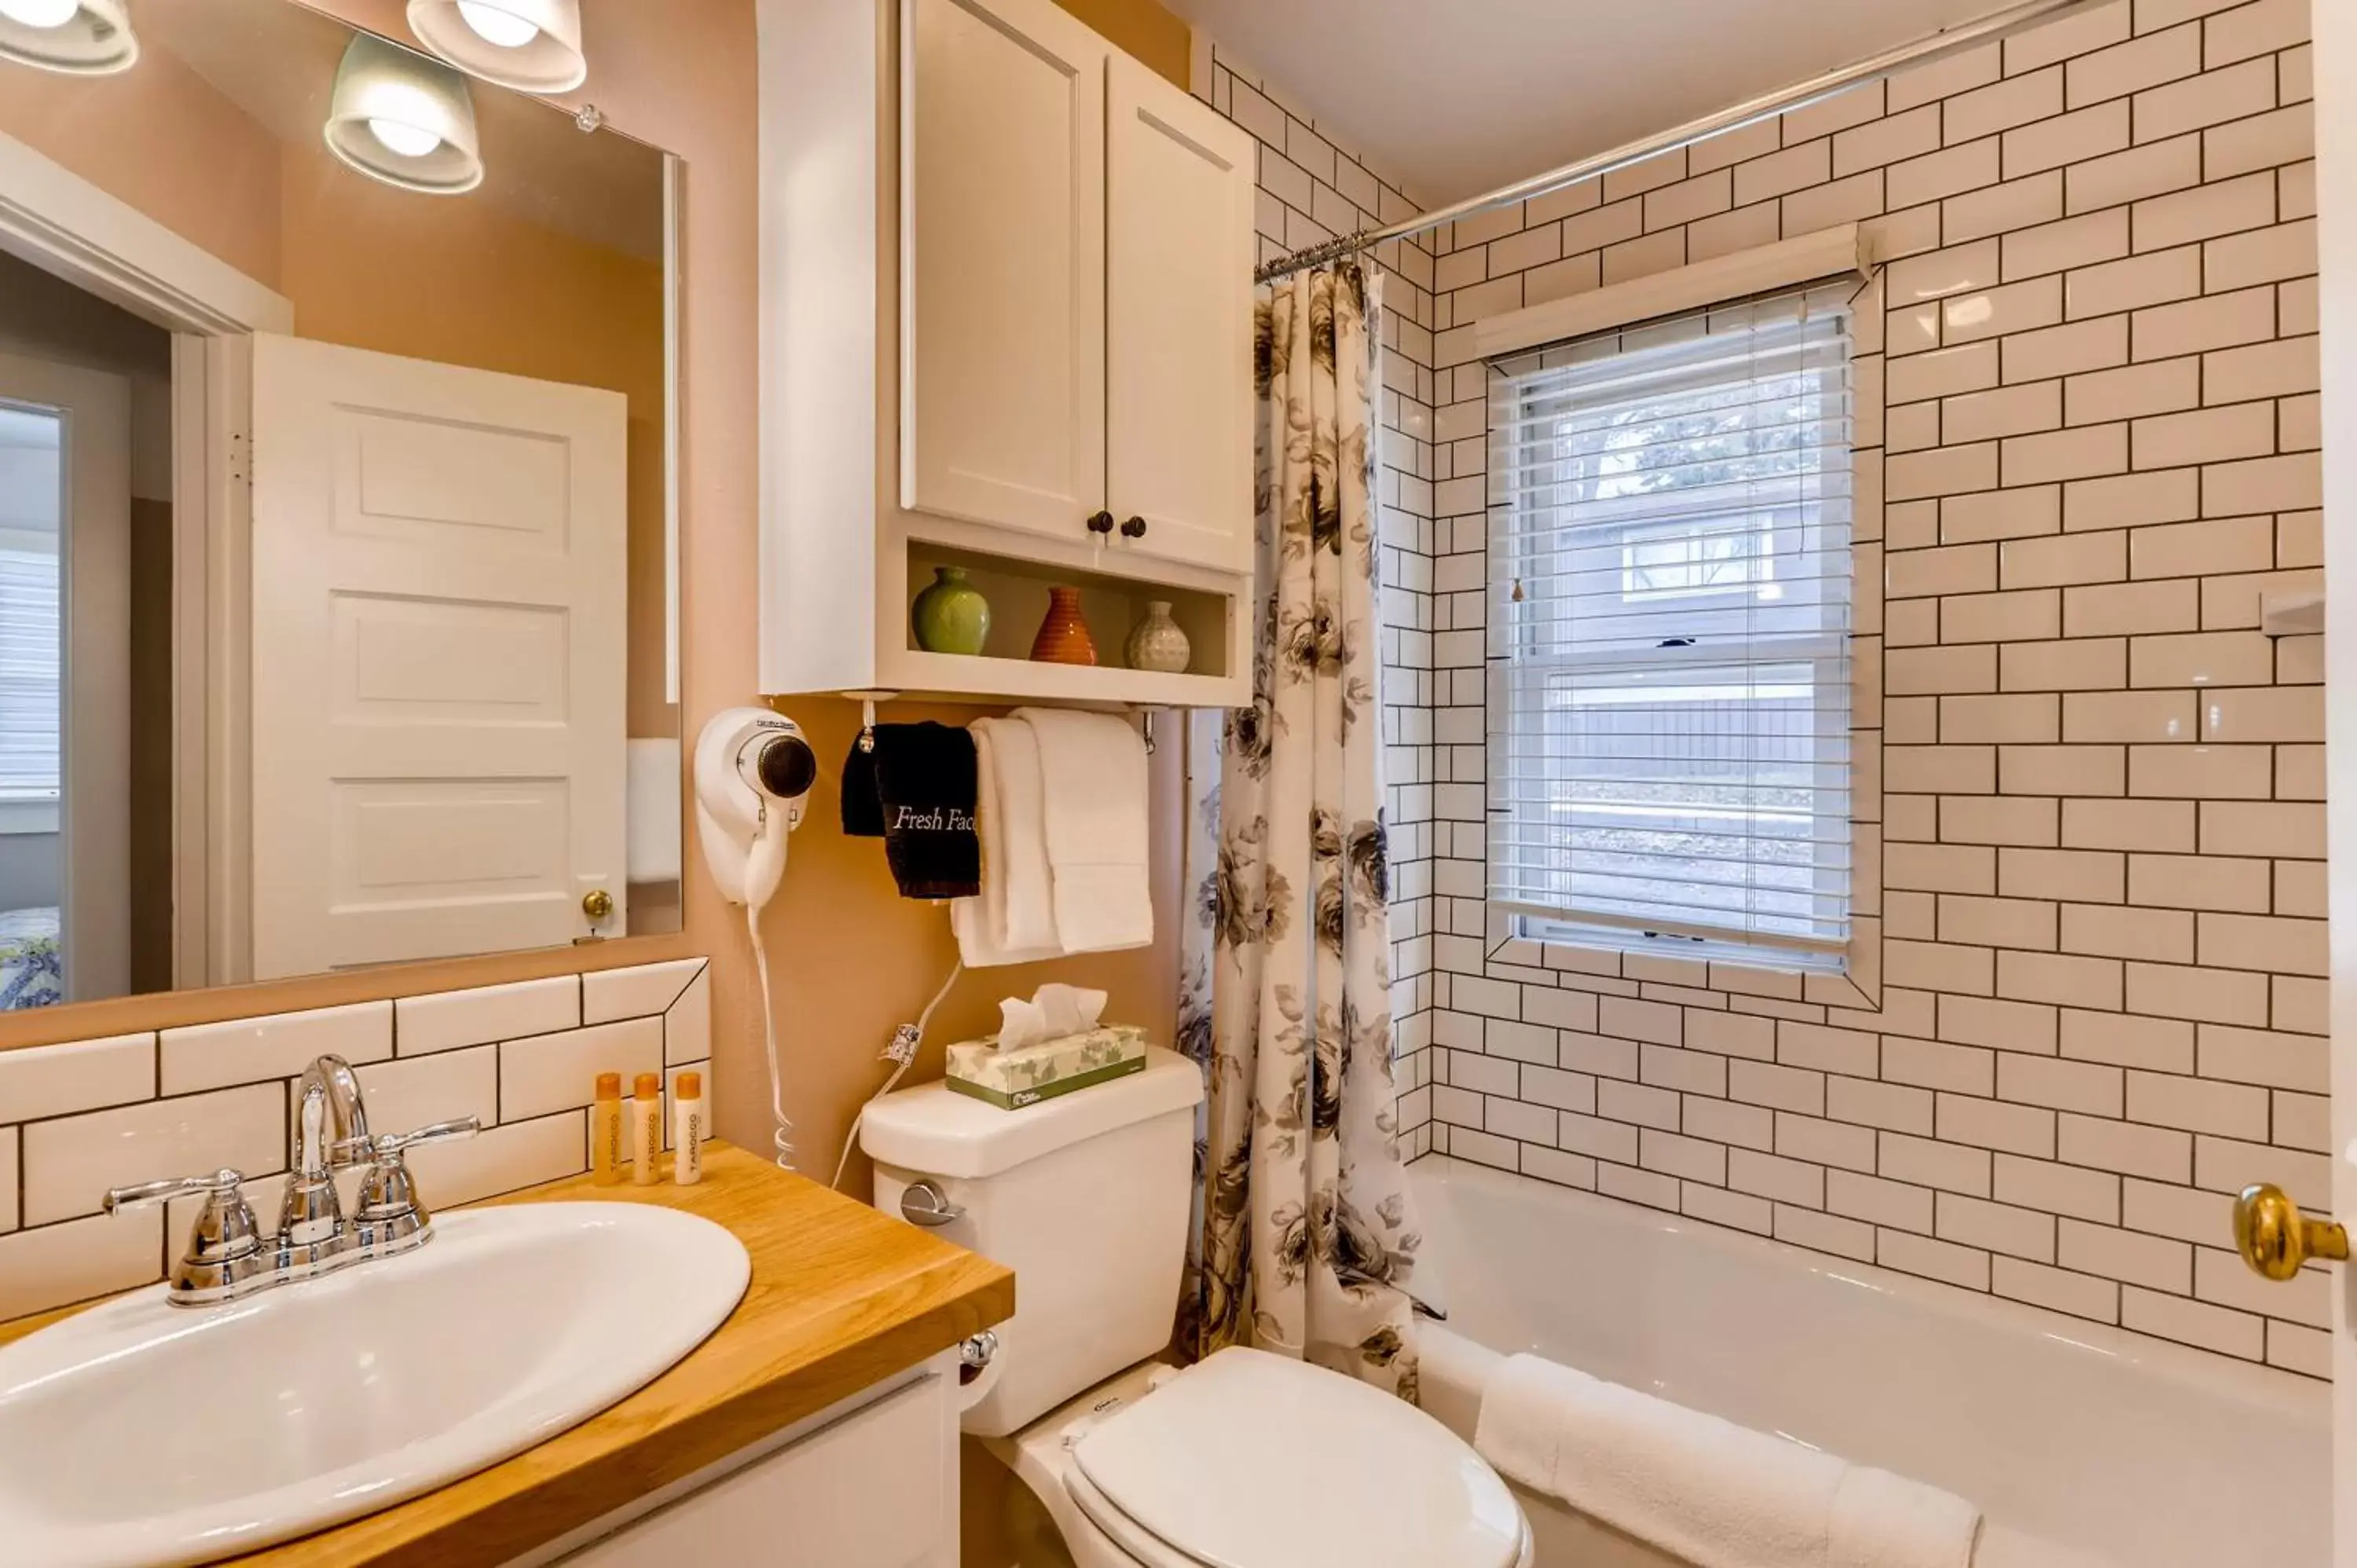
(2335, 67)
(439, 570)
(1179, 313)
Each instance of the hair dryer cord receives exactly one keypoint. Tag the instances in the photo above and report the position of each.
(784, 1135)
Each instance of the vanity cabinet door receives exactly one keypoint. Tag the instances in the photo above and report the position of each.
(1178, 222)
(875, 1488)
(1003, 251)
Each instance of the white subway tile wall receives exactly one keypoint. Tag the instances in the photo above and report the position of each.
(2087, 380)
(77, 1119)
(1312, 190)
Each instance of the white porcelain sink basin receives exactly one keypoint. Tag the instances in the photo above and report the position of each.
(139, 1433)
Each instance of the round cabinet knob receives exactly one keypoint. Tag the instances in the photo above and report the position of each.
(1133, 529)
(598, 904)
(2275, 1238)
(1101, 522)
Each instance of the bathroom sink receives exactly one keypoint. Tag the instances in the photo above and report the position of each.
(140, 1432)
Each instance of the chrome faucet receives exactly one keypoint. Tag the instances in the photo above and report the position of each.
(331, 1118)
(226, 1256)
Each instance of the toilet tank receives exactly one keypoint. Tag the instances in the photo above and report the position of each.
(1085, 1197)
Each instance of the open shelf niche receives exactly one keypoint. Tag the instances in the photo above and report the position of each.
(1218, 674)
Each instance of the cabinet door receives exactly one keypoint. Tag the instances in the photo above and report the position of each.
(1178, 220)
(1002, 243)
(876, 1489)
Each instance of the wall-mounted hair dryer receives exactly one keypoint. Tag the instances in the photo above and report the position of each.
(754, 771)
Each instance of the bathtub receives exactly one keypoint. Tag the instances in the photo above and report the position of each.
(2114, 1446)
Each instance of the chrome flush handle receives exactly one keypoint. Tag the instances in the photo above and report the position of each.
(924, 1203)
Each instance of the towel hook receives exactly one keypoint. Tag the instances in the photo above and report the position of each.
(867, 701)
(1146, 728)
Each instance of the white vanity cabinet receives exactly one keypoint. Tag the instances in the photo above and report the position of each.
(869, 1483)
(1007, 327)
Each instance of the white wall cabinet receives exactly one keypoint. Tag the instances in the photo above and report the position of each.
(1003, 265)
(1178, 335)
(1007, 291)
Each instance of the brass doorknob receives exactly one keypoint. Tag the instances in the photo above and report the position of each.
(598, 904)
(2275, 1238)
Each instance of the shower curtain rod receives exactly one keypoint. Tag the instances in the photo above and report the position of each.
(1938, 46)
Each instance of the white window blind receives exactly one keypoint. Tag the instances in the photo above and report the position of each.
(29, 666)
(1669, 734)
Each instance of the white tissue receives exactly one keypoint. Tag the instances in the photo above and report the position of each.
(1054, 1011)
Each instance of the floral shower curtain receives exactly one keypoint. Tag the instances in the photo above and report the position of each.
(1305, 1244)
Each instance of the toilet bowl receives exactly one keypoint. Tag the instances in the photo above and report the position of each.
(1243, 1460)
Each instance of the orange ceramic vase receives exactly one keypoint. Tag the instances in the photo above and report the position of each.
(1064, 637)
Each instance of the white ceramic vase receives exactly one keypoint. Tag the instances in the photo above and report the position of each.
(1157, 644)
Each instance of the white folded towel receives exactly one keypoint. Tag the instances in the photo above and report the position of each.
(1014, 919)
(1093, 774)
(1704, 1491)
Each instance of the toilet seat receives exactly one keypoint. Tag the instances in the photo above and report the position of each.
(1250, 1460)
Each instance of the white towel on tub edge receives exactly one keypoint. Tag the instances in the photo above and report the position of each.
(1715, 1494)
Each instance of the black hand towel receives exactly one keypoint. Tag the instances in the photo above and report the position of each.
(863, 814)
(922, 799)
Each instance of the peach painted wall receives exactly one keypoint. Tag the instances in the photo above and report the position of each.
(215, 181)
(1142, 28)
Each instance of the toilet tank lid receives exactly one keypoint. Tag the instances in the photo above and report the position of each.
(935, 1131)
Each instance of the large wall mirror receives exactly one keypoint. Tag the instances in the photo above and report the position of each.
(339, 534)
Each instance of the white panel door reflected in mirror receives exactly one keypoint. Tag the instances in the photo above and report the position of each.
(337, 539)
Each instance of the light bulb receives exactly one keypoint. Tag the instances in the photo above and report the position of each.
(503, 28)
(407, 140)
(40, 12)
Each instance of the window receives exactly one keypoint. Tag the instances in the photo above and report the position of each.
(1670, 679)
(29, 625)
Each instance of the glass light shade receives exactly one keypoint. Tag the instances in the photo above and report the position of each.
(93, 38)
(472, 36)
(388, 100)
(45, 12)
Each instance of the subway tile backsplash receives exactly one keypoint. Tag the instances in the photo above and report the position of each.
(77, 1119)
(2086, 380)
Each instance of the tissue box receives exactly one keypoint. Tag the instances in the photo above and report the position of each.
(1012, 1079)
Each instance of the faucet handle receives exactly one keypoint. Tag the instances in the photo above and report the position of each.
(432, 1133)
(224, 1246)
(390, 1146)
(222, 1184)
(388, 1208)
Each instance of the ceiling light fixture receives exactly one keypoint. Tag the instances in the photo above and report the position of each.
(534, 45)
(81, 38)
(40, 12)
(493, 25)
(397, 116)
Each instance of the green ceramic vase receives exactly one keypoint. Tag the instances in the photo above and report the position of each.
(950, 616)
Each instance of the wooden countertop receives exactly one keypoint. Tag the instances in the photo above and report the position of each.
(841, 1298)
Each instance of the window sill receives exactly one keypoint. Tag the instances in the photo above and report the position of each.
(28, 817)
(1721, 955)
(1851, 980)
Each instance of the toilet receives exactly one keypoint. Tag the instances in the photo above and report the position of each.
(1243, 1460)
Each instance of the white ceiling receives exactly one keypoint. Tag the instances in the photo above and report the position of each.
(1450, 98)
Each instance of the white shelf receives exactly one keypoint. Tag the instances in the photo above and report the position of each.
(960, 679)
